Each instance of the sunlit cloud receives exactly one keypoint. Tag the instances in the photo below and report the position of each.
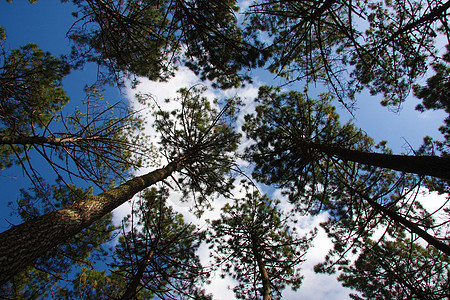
(315, 286)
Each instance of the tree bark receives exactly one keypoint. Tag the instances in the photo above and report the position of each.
(267, 293)
(421, 165)
(21, 245)
(40, 140)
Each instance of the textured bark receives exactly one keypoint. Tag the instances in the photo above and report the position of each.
(421, 165)
(40, 140)
(21, 245)
(267, 293)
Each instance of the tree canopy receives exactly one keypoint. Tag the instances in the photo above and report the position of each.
(84, 157)
(257, 247)
(393, 269)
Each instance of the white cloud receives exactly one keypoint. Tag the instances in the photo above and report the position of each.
(318, 286)
(432, 201)
(162, 90)
(315, 286)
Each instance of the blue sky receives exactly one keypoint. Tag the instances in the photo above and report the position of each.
(24, 23)
(46, 23)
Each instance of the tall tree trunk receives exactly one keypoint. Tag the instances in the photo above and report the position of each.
(40, 140)
(267, 293)
(21, 245)
(422, 165)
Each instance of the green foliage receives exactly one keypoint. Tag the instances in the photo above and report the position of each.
(299, 44)
(398, 269)
(31, 94)
(435, 95)
(128, 36)
(49, 272)
(30, 89)
(93, 284)
(205, 141)
(348, 45)
(30, 284)
(148, 38)
(359, 220)
(2, 33)
(253, 232)
(392, 56)
(156, 258)
(282, 126)
(431, 146)
(216, 48)
(354, 196)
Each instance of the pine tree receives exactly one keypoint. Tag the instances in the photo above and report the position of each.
(310, 126)
(155, 257)
(256, 244)
(350, 46)
(156, 36)
(293, 134)
(191, 146)
(48, 274)
(31, 94)
(396, 268)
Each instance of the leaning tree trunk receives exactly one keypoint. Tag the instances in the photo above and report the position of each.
(23, 244)
(405, 223)
(422, 165)
(45, 140)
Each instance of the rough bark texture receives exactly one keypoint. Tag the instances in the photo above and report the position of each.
(21, 245)
(40, 140)
(267, 294)
(422, 165)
